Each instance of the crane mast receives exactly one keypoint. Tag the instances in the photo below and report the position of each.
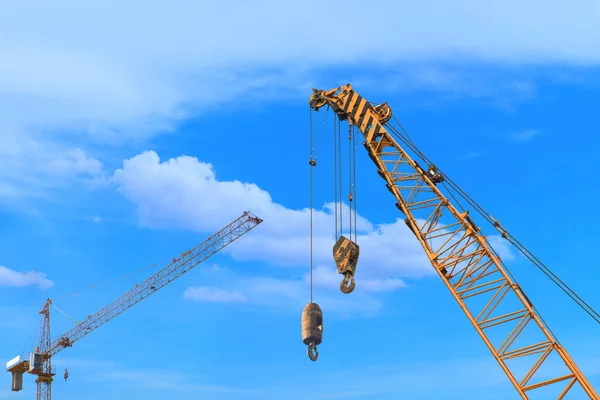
(39, 362)
(460, 254)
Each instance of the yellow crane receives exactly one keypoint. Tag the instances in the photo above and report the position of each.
(40, 359)
(462, 257)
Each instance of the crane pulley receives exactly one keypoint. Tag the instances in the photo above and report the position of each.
(39, 362)
(345, 255)
(464, 259)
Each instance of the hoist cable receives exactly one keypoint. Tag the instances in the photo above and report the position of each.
(350, 180)
(406, 135)
(31, 339)
(559, 282)
(311, 165)
(340, 180)
(65, 314)
(321, 134)
(460, 207)
(403, 136)
(354, 142)
(335, 182)
(530, 303)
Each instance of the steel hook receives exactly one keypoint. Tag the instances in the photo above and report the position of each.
(347, 285)
(312, 351)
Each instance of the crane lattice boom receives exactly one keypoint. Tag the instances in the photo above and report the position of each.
(178, 267)
(39, 363)
(459, 253)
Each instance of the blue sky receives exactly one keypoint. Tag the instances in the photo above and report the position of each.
(132, 132)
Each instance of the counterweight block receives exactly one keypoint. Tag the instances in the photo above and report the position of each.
(345, 254)
(312, 329)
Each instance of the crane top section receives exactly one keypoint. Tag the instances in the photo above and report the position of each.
(348, 104)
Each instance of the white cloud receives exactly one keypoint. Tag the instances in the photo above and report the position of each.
(10, 277)
(65, 79)
(327, 277)
(470, 156)
(503, 247)
(109, 372)
(525, 135)
(75, 161)
(453, 81)
(213, 295)
(288, 295)
(30, 166)
(168, 194)
(264, 29)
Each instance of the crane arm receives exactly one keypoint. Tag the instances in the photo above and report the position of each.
(494, 303)
(178, 267)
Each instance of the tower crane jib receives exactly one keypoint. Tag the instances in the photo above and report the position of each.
(39, 362)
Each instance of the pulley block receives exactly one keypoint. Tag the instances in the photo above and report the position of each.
(345, 254)
(317, 100)
(384, 112)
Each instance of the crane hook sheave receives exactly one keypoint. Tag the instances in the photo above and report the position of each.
(317, 100)
(384, 112)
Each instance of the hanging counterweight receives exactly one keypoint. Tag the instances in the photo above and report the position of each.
(312, 329)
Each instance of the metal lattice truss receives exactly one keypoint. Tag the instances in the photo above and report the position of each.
(496, 305)
(178, 267)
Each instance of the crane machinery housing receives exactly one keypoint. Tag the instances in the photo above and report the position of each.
(477, 278)
(39, 362)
